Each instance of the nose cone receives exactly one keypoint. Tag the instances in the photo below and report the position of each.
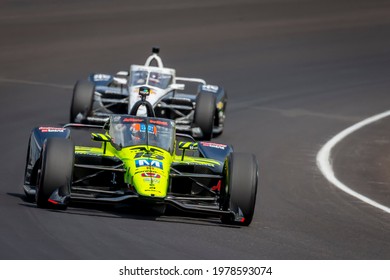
(151, 184)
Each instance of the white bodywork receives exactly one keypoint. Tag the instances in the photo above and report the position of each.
(120, 92)
(159, 79)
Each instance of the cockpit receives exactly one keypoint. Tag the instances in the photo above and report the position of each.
(127, 130)
(159, 77)
(149, 78)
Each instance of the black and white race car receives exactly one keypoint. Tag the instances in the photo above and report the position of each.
(200, 113)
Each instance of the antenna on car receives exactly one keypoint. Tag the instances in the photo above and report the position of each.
(156, 50)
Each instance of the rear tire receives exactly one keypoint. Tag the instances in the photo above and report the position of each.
(56, 172)
(82, 100)
(29, 180)
(242, 179)
(205, 113)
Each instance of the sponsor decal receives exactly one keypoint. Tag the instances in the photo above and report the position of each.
(152, 189)
(151, 128)
(148, 162)
(151, 180)
(159, 122)
(199, 162)
(101, 77)
(132, 120)
(214, 145)
(142, 128)
(148, 155)
(210, 88)
(51, 129)
(150, 174)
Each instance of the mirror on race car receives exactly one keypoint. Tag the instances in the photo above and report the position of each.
(120, 81)
(187, 146)
(100, 137)
(123, 73)
(177, 86)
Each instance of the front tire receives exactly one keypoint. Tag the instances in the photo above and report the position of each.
(55, 177)
(82, 100)
(241, 188)
(205, 113)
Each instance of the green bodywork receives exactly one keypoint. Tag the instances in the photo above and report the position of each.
(146, 168)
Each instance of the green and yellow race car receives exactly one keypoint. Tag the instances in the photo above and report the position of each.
(140, 160)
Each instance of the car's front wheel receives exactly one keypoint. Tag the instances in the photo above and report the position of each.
(55, 175)
(240, 188)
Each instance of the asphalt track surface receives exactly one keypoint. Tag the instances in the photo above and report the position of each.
(297, 73)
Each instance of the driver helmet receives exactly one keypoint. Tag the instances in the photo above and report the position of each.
(136, 133)
(154, 78)
(140, 77)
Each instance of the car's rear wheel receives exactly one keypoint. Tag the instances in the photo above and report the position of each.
(28, 180)
(29, 197)
(241, 188)
(55, 176)
(205, 113)
(82, 100)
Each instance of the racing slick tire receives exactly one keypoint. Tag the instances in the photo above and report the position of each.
(55, 178)
(82, 100)
(241, 181)
(29, 197)
(205, 113)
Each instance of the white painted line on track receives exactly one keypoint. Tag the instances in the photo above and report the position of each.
(324, 161)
